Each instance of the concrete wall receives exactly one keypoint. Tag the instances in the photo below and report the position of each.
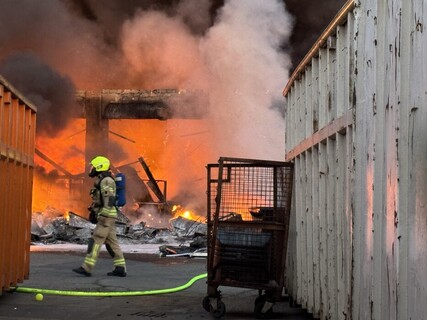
(357, 131)
(17, 138)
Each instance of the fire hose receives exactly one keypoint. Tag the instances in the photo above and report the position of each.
(109, 293)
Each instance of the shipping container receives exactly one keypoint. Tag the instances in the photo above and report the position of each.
(356, 130)
(17, 139)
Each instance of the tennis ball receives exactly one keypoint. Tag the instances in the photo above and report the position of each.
(39, 297)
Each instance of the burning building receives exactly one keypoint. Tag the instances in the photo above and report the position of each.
(97, 111)
(131, 50)
(356, 130)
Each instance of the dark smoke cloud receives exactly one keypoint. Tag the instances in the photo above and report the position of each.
(311, 19)
(110, 15)
(196, 14)
(51, 93)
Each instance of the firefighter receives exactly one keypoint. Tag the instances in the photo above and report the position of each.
(103, 212)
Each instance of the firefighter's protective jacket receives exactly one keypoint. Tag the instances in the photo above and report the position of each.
(104, 195)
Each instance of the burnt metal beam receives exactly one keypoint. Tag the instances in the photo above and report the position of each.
(161, 104)
(53, 163)
(152, 183)
(137, 110)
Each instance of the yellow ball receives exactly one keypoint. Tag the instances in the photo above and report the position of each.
(39, 297)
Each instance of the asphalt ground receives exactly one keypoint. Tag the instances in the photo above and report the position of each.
(53, 270)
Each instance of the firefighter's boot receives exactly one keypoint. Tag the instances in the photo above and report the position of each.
(118, 272)
(82, 271)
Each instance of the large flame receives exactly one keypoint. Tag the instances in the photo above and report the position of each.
(174, 150)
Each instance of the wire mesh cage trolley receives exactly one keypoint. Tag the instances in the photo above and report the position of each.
(248, 220)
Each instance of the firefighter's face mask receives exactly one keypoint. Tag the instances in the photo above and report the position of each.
(93, 172)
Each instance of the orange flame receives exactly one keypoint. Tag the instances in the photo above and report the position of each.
(179, 211)
(157, 142)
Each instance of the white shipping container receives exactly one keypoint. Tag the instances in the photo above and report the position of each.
(356, 129)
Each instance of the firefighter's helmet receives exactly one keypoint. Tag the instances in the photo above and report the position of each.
(99, 164)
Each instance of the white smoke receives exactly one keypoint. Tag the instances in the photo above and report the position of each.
(241, 65)
(248, 73)
(160, 50)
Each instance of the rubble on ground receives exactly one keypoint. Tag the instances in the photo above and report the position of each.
(77, 229)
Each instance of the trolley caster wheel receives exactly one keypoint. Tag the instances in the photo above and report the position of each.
(219, 311)
(263, 308)
(206, 303)
(260, 299)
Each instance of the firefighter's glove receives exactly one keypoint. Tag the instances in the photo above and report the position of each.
(93, 217)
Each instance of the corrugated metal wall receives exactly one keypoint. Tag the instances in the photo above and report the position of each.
(17, 137)
(356, 128)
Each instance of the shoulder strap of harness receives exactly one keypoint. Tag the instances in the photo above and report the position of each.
(101, 177)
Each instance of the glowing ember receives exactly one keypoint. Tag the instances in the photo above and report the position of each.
(179, 211)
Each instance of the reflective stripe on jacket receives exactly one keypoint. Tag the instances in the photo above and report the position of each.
(104, 196)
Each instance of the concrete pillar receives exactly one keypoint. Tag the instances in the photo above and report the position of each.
(97, 129)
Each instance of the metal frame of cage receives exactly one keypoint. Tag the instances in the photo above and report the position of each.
(248, 204)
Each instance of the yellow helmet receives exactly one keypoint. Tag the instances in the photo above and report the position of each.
(99, 164)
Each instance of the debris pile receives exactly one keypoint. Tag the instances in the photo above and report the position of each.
(77, 229)
(149, 207)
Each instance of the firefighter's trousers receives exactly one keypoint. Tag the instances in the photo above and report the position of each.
(104, 232)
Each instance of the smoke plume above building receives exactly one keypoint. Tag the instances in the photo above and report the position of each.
(151, 44)
(234, 51)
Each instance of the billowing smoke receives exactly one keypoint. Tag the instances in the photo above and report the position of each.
(247, 73)
(52, 93)
(166, 56)
(238, 62)
(232, 51)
